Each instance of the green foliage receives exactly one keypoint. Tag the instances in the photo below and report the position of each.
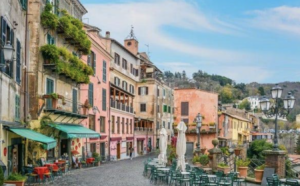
(49, 20)
(261, 91)
(261, 167)
(204, 160)
(50, 52)
(245, 104)
(172, 154)
(257, 147)
(225, 150)
(298, 145)
(95, 155)
(226, 95)
(72, 66)
(242, 163)
(1, 176)
(196, 159)
(223, 165)
(16, 177)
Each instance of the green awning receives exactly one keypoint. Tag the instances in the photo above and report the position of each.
(75, 131)
(48, 142)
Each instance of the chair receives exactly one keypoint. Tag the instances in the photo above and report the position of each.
(48, 175)
(292, 182)
(153, 175)
(174, 177)
(33, 178)
(239, 180)
(219, 175)
(226, 181)
(272, 182)
(161, 176)
(185, 179)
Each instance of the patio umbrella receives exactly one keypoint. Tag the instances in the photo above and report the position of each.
(181, 146)
(163, 140)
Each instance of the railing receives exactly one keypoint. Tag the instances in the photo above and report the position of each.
(143, 129)
(253, 164)
(118, 105)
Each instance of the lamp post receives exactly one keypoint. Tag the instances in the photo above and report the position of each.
(276, 109)
(8, 53)
(198, 121)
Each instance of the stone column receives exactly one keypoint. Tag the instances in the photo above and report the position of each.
(214, 155)
(276, 159)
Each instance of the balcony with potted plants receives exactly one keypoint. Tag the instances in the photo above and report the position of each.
(58, 105)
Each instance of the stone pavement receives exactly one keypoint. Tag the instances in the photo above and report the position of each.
(120, 173)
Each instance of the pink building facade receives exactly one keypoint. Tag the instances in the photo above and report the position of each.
(95, 95)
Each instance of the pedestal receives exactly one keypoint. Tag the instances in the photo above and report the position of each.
(276, 160)
(215, 153)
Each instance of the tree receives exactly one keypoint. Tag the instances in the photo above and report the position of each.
(298, 145)
(257, 147)
(245, 104)
(168, 74)
(261, 91)
(226, 95)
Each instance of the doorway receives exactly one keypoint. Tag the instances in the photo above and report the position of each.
(102, 151)
(64, 146)
(118, 151)
(189, 149)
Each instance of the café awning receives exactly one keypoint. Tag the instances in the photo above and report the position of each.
(75, 131)
(48, 142)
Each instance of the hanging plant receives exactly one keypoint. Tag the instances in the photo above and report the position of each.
(50, 52)
(49, 20)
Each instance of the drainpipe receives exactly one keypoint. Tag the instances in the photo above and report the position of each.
(109, 123)
(26, 96)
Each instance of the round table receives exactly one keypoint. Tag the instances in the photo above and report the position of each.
(90, 160)
(52, 165)
(159, 166)
(164, 169)
(41, 171)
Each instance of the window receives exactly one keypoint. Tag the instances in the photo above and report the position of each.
(157, 92)
(92, 122)
(102, 124)
(124, 64)
(164, 125)
(123, 126)
(157, 125)
(127, 126)
(143, 90)
(17, 108)
(91, 94)
(117, 81)
(7, 35)
(184, 108)
(117, 59)
(169, 109)
(23, 4)
(131, 69)
(164, 93)
(143, 107)
(118, 125)
(186, 121)
(18, 67)
(165, 108)
(124, 85)
(113, 124)
(169, 125)
(93, 147)
(131, 89)
(136, 72)
(104, 99)
(92, 61)
(158, 108)
(104, 72)
(50, 39)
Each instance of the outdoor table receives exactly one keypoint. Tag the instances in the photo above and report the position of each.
(159, 166)
(207, 170)
(283, 180)
(52, 165)
(90, 160)
(151, 163)
(41, 171)
(164, 169)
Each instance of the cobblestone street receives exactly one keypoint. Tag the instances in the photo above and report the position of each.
(120, 173)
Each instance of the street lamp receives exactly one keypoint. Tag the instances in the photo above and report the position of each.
(198, 121)
(8, 53)
(276, 109)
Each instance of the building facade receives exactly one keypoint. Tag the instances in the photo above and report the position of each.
(188, 103)
(96, 93)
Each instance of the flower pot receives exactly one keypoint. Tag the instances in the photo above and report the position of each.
(197, 164)
(210, 157)
(237, 151)
(54, 103)
(203, 151)
(84, 111)
(258, 175)
(243, 171)
(226, 170)
(47, 96)
(16, 183)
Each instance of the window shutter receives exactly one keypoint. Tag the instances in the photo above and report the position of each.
(104, 99)
(52, 40)
(123, 84)
(18, 67)
(104, 71)
(146, 90)
(139, 90)
(184, 108)
(136, 72)
(89, 60)
(49, 39)
(12, 38)
(158, 92)
(56, 10)
(91, 94)
(94, 63)
(3, 30)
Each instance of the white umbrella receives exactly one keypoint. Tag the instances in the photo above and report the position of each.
(181, 146)
(163, 139)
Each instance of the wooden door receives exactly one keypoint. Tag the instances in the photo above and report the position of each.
(118, 151)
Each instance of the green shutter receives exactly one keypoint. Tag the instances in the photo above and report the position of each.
(91, 94)
(89, 60)
(169, 109)
(104, 99)
(17, 108)
(56, 9)
(18, 67)
(165, 108)
(104, 71)
(94, 64)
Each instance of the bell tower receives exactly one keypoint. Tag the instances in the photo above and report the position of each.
(131, 43)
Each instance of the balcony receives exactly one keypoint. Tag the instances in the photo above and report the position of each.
(143, 129)
(120, 106)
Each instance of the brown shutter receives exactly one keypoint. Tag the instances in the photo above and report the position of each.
(139, 90)
(146, 90)
(184, 108)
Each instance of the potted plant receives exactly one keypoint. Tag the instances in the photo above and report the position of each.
(204, 160)
(212, 125)
(237, 151)
(224, 167)
(243, 167)
(16, 178)
(196, 161)
(203, 150)
(259, 172)
(97, 158)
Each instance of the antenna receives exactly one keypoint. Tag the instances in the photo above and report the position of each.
(131, 34)
(148, 51)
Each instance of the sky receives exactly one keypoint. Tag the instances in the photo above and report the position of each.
(247, 41)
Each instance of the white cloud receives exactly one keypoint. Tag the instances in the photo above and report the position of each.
(283, 19)
(150, 17)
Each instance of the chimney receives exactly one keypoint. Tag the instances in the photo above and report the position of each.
(107, 34)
